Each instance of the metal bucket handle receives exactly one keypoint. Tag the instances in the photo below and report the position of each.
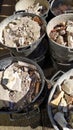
(56, 77)
(28, 114)
(23, 49)
(50, 1)
(20, 11)
(45, 15)
(68, 11)
(70, 50)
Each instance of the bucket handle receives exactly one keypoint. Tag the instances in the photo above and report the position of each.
(70, 50)
(28, 115)
(19, 11)
(45, 15)
(56, 76)
(50, 1)
(22, 49)
(68, 11)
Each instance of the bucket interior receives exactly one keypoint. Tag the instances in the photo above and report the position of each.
(61, 6)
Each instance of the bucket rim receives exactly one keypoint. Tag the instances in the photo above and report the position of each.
(57, 17)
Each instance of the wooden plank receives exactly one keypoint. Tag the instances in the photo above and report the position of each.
(47, 128)
(7, 10)
(14, 128)
(19, 128)
(20, 123)
(10, 2)
(24, 128)
(26, 124)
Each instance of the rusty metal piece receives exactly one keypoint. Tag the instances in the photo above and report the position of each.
(37, 87)
(37, 19)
